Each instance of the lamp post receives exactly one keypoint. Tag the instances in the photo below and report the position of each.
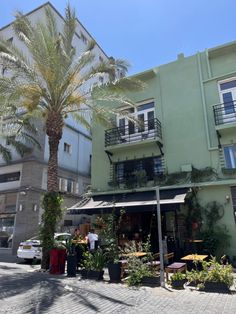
(162, 279)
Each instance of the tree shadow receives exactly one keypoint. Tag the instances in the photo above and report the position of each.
(43, 290)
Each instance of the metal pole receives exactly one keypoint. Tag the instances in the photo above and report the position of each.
(162, 279)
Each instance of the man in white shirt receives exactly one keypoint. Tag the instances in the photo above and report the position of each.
(92, 237)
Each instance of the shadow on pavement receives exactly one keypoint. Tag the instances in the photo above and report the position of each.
(41, 291)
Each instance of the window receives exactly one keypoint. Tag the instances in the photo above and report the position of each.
(8, 177)
(84, 39)
(67, 148)
(68, 223)
(101, 79)
(144, 114)
(227, 91)
(230, 156)
(101, 59)
(68, 185)
(126, 169)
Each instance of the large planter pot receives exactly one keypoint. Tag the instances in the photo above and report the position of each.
(216, 287)
(153, 281)
(96, 275)
(57, 261)
(178, 284)
(71, 265)
(114, 271)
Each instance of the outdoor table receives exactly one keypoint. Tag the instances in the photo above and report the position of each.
(136, 254)
(194, 257)
(191, 258)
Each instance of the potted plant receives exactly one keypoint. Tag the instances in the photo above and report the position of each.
(71, 258)
(57, 259)
(93, 265)
(218, 278)
(213, 277)
(110, 244)
(178, 280)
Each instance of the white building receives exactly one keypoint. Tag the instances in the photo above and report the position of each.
(24, 179)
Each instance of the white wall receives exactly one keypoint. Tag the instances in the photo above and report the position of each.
(81, 148)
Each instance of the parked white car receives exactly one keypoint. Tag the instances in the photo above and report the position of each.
(31, 249)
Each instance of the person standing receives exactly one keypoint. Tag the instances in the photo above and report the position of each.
(92, 240)
(79, 250)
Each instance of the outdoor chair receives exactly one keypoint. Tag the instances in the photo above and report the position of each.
(124, 266)
(155, 263)
(168, 257)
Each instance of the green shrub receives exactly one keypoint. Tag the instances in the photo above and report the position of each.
(177, 276)
(212, 272)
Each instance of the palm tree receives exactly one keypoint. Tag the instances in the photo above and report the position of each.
(17, 131)
(52, 82)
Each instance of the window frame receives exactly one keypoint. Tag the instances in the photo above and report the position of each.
(234, 160)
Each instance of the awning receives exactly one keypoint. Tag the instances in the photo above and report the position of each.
(132, 202)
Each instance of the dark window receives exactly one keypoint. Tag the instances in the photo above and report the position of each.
(228, 103)
(145, 106)
(126, 169)
(230, 156)
(69, 186)
(228, 85)
(67, 148)
(67, 223)
(122, 126)
(150, 120)
(141, 123)
(131, 127)
(8, 177)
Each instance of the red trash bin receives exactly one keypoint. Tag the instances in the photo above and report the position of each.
(57, 261)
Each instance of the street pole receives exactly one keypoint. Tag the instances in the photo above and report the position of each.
(162, 279)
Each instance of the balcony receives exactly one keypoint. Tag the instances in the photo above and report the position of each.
(225, 115)
(147, 132)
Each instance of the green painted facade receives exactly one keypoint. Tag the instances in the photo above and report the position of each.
(184, 92)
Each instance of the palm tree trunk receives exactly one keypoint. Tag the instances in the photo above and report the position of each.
(54, 128)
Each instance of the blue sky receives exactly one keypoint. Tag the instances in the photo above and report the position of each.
(146, 32)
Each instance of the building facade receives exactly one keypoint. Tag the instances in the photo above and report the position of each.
(23, 181)
(184, 141)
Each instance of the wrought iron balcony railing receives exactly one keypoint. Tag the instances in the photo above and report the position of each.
(225, 113)
(133, 132)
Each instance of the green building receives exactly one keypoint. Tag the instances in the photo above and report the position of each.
(185, 142)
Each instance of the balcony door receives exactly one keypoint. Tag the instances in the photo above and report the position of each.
(144, 114)
(227, 91)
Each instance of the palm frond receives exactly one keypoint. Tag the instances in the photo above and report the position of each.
(5, 153)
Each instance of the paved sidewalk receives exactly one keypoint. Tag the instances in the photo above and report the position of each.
(24, 290)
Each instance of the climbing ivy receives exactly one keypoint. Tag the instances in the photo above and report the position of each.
(52, 214)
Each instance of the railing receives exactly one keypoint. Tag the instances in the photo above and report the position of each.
(130, 180)
(134, 132)
(225, 113)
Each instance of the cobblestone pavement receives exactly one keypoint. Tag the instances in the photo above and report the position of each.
(25, 290)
